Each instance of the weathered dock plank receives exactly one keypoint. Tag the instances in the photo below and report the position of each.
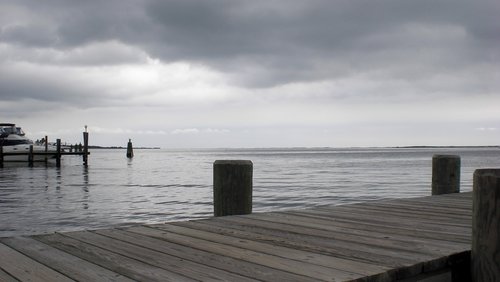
(165, 261)
(123, 265)
(289, 265)
(62, 262)
(24, 268)
(260, 272)
(385, 240)
(283, 252)
(4, 276)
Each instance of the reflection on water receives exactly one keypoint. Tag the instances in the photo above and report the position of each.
(165, 185)
(85, 187)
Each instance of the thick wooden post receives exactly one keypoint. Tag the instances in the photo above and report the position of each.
(85, 147)
(232, 187)
(30, 156)
(58, 153)
(445, 174)
(130, 149)
(485, 254)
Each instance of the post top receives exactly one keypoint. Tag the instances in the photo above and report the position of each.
(233, 162)
(495, 172)
(440, 156)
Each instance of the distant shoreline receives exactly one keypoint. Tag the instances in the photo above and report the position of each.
(424, 147)
(388, 147)
(122, 148)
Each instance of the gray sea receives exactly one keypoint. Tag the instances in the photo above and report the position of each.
(171, 185)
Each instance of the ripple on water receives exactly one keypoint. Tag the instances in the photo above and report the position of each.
(170, 185)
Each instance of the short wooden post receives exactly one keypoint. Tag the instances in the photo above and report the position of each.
(30, 156)
(232, 187)
(46, 148)
(85, 147)
(445, 174)
(130, 149)
(58, 152)
(485, 251)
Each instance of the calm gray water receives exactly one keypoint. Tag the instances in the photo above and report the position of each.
(170, 185)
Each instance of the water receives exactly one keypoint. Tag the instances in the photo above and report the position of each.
(170, 185)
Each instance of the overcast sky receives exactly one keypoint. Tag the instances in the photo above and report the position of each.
(260, 73)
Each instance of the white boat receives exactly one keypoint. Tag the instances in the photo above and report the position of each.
(13, 140)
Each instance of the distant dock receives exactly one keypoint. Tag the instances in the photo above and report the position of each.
(388, 240)
(81, 150)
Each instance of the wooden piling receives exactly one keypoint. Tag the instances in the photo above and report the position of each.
(232, 187)
(30, 156)
(485, 251)
(130, 150)
(445, 174)
(85, 147)
(58, 152)
(1, 156)
(46, 148)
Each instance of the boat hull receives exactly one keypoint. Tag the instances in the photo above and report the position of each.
(25, 150)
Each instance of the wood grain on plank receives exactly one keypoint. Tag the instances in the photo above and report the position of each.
(388, 227)
(289, 265)
(382, 217)
(422, 208)
(393, 234)
(5, 277)
(422, 256)
(171, 263)
(241, 267)
(400, 261)
(64, 263)
(313, 258)
(417, 210)
(24, 268)
(117, 263)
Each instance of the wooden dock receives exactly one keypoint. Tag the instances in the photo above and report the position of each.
(56, 154)
(389, 240)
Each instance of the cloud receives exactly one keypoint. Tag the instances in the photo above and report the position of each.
(98, 129)
(486, 128)
(201, 66)
(198, 131)
(267, 43)
(186, 131)
(106, 53)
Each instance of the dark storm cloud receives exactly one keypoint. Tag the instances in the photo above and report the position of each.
(268, 43)
(25, 83)
(265, 43)
(72, 23)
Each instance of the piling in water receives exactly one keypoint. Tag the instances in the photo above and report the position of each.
(232, 187)
(46, 148)
(445, 174)
(30, 156)
(85, 147)
(58, 153)
(130, 150)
